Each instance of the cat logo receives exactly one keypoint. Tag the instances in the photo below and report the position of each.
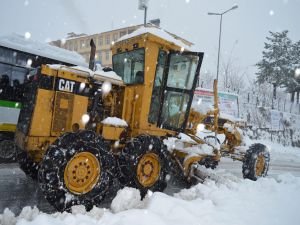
(66, 85)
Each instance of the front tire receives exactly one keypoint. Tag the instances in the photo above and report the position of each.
(76, 170)
(256, 162)
(143, 164)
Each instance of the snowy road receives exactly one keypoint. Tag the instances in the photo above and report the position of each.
(276, 167)
(18, 191)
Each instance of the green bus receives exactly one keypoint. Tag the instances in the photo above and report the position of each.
(18, 57)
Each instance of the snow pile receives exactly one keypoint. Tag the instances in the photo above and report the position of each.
(277, 151)
(195, 149)
(187, 145)
(177, 142)
(231, 118)
(19, 42)
(201, 107)
(114, 121)
(224, 201)
(127, 198)
(157, 32)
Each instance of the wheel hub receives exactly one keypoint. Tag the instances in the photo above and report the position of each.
(82, 173)
(148, 169)
(260, 165)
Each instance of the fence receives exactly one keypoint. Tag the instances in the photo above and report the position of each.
(285, 137)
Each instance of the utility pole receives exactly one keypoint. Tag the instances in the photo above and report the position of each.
(143, 5)
(220, 32)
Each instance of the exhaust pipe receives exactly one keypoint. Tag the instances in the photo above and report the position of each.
(92, 55)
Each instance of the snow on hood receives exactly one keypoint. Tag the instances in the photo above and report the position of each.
(19, 42)
(109, 74)
(114, 121)
(157, 32)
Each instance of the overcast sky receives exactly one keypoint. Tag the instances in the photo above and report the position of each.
(244, 29)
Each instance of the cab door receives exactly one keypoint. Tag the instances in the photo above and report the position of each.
(179, 82)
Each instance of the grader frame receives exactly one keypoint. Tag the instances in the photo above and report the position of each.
(79, 158)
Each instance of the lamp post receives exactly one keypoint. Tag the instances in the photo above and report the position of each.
(220, 33)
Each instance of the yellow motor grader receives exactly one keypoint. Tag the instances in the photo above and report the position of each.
(255, 158)
(82, 132)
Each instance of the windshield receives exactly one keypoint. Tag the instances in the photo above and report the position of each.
(130, 66)
(182, 71)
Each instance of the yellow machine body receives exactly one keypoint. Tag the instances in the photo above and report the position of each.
(59, 105)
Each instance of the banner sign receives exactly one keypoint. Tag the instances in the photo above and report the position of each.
(276, 120)
(228, 103)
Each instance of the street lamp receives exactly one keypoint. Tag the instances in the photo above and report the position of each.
(221, 14)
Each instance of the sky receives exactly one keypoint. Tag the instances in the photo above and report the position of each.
(244, 30)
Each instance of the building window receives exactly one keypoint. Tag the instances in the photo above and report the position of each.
(122, 33)
(107, 55)
(67, 45)
(100, 41)
(130, 31)
(100, 56)
(115, 36)
(75, 46)
(107, 39)
(87, 43)
(71, 46)
(82, 44)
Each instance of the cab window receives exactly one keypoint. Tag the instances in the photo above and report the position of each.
(157, 87)
(174, 109)
(130, 66)
(182, 71)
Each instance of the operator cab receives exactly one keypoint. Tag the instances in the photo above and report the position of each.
(160, 81)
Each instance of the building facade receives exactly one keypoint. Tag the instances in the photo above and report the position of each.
(81, 43)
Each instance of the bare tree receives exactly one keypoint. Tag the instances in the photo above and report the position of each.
(232, 76)
(206, 79)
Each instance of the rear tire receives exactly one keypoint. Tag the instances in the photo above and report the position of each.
(26, 164)
(7, 151)
(77, 169)
(143, 164)
(256, 162)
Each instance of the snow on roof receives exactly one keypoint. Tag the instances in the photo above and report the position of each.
(157, 32)
(20, 43)
(99, 74)
(77, 36)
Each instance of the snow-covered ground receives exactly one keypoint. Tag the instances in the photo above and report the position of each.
(226, 198)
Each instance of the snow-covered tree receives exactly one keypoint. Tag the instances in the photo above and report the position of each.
(275, 66)
(293, 85)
